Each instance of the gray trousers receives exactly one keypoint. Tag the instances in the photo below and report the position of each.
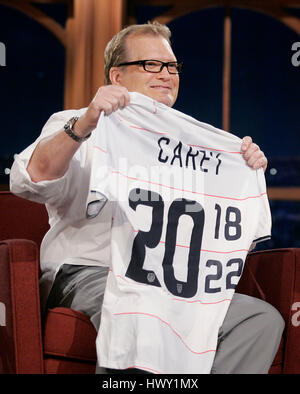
(247, 341)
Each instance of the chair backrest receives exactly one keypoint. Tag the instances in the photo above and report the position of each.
(23, 219)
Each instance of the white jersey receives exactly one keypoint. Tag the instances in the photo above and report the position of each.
(187, 208)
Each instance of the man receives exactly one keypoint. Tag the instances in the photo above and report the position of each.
(75, 252)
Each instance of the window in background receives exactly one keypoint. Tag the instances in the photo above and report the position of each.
(32, 82)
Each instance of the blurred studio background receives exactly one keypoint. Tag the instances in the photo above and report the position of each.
(241, 73)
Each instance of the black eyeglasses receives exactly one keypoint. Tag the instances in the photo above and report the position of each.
(156, 66)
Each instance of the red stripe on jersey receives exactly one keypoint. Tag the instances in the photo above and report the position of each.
(155, 108)
(188, 191)
(206, 250)
(201, 302)
(145, 368)
(101, 149)
(133, 126)
(167, 324)
(164, 133)
(150, 131)
(229, 251)
(219, 150)
(130, 281)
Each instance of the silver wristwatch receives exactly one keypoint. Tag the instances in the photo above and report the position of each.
(68, 128)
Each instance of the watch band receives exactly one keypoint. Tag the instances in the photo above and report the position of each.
(68, 128)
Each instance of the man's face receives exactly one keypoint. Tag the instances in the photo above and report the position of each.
(162, 86)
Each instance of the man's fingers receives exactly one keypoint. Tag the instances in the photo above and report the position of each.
(261, 162)
(111, 104)
(251, 150)
(112, 97)
(246, 142)
(254, 157)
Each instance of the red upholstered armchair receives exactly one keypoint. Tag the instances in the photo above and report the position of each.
(65, 341)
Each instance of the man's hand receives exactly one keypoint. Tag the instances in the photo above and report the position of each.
(254, 157)
(108, 99)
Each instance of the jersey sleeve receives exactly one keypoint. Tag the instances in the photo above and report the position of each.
(53, 192)
(263, 231)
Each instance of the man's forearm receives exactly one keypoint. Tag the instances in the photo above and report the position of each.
(51, 157)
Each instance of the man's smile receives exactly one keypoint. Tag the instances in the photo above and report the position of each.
(161, 87)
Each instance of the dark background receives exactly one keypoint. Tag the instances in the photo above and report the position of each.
(265, 99)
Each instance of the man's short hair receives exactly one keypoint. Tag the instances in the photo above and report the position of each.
(115, 52)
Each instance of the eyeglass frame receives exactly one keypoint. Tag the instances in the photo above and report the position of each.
(163, 64)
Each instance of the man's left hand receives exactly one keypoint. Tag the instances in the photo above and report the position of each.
(254, 157)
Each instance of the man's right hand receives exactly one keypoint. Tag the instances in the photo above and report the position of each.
(52, 156)
(108, 99)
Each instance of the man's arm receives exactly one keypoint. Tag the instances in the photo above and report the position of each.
(51, 157)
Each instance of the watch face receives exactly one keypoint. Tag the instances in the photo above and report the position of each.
(68, 129)
(70, 123)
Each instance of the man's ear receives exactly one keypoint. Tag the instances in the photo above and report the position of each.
(115, 75)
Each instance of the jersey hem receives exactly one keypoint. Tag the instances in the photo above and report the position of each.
(133, 365)
(261, 239)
